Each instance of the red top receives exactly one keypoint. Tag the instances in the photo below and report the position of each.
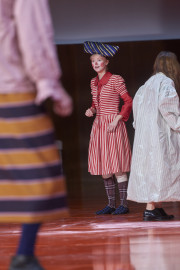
(106, 95)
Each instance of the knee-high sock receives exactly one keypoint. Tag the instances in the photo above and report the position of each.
(28, 239)
(122, 186)
(110, 188)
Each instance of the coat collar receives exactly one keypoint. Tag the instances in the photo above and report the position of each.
(104, 80)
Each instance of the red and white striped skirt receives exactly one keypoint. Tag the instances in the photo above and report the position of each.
(109, 152)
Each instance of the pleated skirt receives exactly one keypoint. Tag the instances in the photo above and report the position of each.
(109, 152)
(32, 185)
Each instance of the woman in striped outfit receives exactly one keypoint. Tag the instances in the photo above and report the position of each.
(109, 147)
(32, 188)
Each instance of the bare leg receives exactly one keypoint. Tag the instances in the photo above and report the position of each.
(150, 206)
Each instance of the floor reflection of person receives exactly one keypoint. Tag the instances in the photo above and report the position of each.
(144, 247)
(113, 254)
(32, 188)
(155, 168)
(109, 147)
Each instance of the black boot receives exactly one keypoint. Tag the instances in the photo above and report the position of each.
(22, 262)
(163, 213)
(154, 215)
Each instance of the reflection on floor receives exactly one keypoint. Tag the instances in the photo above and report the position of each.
(84, 241)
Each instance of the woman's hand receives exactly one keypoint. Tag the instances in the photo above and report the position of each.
(112, 126)
(89, 112)
(63, 107)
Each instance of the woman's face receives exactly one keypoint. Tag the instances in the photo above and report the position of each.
(99, 62)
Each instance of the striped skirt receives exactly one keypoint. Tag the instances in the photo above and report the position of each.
(109, 152)
(32, 187)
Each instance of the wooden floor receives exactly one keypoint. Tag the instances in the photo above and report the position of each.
(84, 241)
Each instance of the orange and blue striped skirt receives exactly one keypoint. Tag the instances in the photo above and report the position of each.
(32, 185)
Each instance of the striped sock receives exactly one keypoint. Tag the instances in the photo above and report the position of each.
(123, 193)
(110, 188)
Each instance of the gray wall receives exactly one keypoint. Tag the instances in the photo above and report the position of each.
(114, 20)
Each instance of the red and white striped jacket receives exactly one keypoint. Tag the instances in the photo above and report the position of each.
(106, 95)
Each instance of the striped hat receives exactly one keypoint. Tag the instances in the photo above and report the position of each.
(100, 48)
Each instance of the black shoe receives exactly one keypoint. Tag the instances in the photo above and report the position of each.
(163, 213)
(121, 210)
(22, 262)
(154, 215)
(106, 210)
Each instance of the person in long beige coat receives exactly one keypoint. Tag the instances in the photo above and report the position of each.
(155, 168)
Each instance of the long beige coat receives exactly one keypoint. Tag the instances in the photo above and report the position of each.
(155, 168)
